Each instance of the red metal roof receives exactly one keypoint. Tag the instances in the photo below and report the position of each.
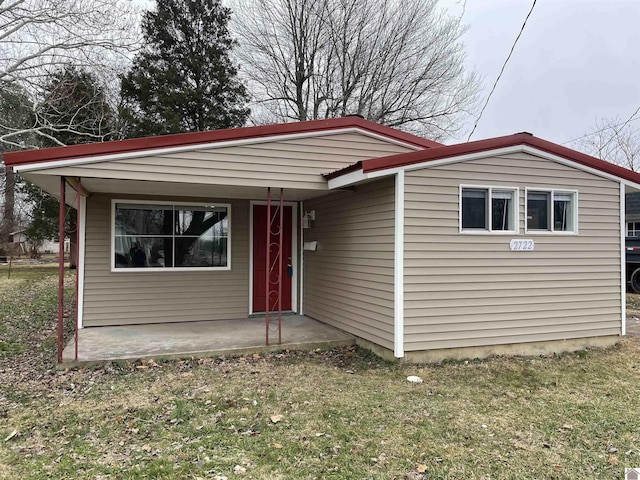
(183, 139)
(448, 151)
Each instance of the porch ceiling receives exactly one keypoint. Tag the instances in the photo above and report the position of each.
(51, 183)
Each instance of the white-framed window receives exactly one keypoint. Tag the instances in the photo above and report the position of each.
(488, 209)
(152, 236)
(633, 229)
(551, 211)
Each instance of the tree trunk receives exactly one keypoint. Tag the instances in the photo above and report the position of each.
(9, 201)
(7, 222)
(73, 245)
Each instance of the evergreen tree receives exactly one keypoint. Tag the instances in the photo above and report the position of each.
(184, 79)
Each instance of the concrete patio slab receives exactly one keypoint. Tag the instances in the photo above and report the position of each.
(204, 339)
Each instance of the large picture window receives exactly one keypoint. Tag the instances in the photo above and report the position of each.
(553, 211)
(170, 236)
(488, 209)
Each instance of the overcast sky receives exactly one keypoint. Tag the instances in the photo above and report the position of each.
(577, 61)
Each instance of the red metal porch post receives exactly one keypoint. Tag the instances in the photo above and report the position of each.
(268, 265)
(280, 268)
(61, 218)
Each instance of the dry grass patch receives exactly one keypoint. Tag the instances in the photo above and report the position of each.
(333, 415)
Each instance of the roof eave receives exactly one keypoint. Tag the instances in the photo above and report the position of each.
(13, 159)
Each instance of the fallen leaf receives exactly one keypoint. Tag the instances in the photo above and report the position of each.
(613, 460)
(421, 468)
(11, 435)
(567, 426)
(277, 445)
(558, 468)
(276, 418)
(520, 445)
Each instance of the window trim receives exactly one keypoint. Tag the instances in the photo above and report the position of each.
(633, 229)
(551, 231)
(489, 230)
(173, 204)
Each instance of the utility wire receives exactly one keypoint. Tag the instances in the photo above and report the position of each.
(608, 127)
(616, 131)
(502, 70)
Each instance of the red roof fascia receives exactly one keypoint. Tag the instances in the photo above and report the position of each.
(442, 152)
(184, 139)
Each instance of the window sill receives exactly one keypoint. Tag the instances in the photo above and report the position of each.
(487, 232)
(547, 232)
(164, 269)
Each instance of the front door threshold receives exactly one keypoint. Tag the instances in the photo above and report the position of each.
(272, 313)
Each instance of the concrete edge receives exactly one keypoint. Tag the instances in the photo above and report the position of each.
(325, 345)
(529, 349)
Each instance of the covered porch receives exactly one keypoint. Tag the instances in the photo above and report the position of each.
(198, 339)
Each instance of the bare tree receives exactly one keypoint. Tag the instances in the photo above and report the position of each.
(614, 141)
(39, 37)
(400, 63)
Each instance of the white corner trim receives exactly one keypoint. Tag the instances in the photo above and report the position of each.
(301, 303)
(398, 269)
(623, 254)
(204, 146)
(80, 260)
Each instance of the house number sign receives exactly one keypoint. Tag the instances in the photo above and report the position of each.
(521, 245)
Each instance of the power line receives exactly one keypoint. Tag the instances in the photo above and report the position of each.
(502, 70)
(608, 127)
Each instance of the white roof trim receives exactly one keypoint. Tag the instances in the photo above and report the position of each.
(201, 146)
(351, 179)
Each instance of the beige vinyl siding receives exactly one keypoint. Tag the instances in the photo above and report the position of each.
(121, 298)
(466, 290)
(297, 163)
(348, 281)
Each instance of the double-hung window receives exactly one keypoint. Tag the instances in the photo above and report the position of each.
(554, 211)
(149, 235)
(488, 209)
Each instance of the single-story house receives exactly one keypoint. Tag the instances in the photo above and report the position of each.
(420, 250)
(632, 207)
(52, 245)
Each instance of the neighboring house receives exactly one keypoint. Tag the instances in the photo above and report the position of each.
(19, 239)
(422, 251)
(632, 207)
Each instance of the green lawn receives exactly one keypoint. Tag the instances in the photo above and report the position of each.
(342, 414)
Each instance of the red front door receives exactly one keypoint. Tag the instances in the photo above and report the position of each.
(260, 258)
